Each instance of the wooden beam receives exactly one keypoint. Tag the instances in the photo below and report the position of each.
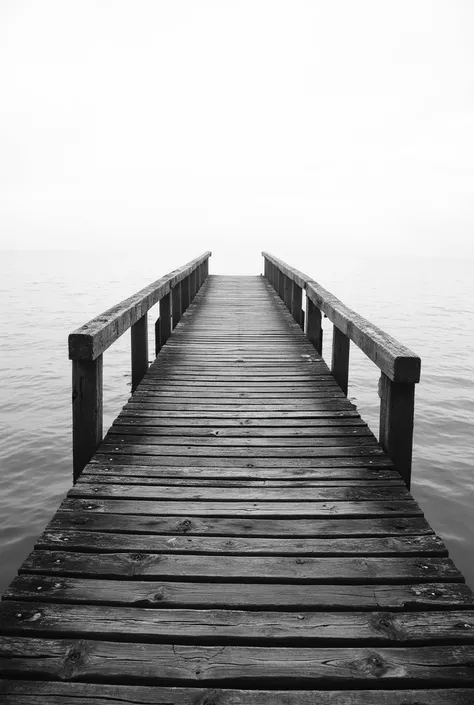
(87, 394)
(139, 339)
(397, 407)
(340, 358)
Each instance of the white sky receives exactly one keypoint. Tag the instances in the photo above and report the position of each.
(349, 123)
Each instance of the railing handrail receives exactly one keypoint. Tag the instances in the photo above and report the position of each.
(399, 366)
(174, 292)
(94, 337)
(396, 360)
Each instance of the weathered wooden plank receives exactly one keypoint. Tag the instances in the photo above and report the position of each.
(249, 596)
(216, 626)
(145, 479)
(216, 440)
(88, 520)
(161, 664)
(341, 461)
(58, 693)
(127, 425)
(385, 493)
(190, 412)
(315, 510)
(335, 451)
(110, 543)
(249, 568)
(329, 471)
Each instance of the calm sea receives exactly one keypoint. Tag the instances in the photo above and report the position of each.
(427, 303)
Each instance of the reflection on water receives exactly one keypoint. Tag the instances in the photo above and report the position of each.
(46, 295)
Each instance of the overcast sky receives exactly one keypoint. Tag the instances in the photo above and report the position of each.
(339, 122)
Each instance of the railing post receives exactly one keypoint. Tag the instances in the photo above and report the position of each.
(206, 268)
(397, 408)
(281, 284)
(165, 319)
(87, 394)
(176, 303)
(266, 265)
(185, 294)
(139, 331)
(340, 358)
(287, 290)
(192, 285)
(314, 331)
(296, 302)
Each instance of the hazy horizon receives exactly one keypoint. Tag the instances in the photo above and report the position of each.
(208, 125)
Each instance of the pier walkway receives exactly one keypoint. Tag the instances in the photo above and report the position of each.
(239, 537)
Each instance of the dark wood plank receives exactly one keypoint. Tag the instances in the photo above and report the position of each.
(237, 627)
(234, 666)
(82, 520)
(310, 510)
(248, 568)
(257, 494)
(249, 596)
(71, 540)
(58, 693)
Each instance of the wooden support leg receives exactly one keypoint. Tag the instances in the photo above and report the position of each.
(87, 394)
(185, 294)
(139, 332)
(340, 358)
(397, 408)
(157, 336)
(281, 284)
(287, 290)
(296, 302)
(192, 285)
(165, 319)
(314, 331)
(176, 303)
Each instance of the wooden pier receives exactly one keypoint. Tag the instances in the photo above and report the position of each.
(239, 537)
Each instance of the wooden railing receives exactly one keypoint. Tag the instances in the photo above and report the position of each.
(87, 344)
(399, 366)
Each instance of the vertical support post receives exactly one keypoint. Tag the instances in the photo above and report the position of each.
(281, 284)
(314, 331)
(296, 303)
(165, 319)
(139, 332)
(185, 294)
(397, 408)
(340, 358)
(206, 268)
(176, 304)
(287, 292)
(199, 277)
(192, 285)
(87, 395)
(157, 336)
(266, 266)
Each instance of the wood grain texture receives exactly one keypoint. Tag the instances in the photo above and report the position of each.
(58, 693)
(233, 666)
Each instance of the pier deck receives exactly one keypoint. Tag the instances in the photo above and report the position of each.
(238, 538)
